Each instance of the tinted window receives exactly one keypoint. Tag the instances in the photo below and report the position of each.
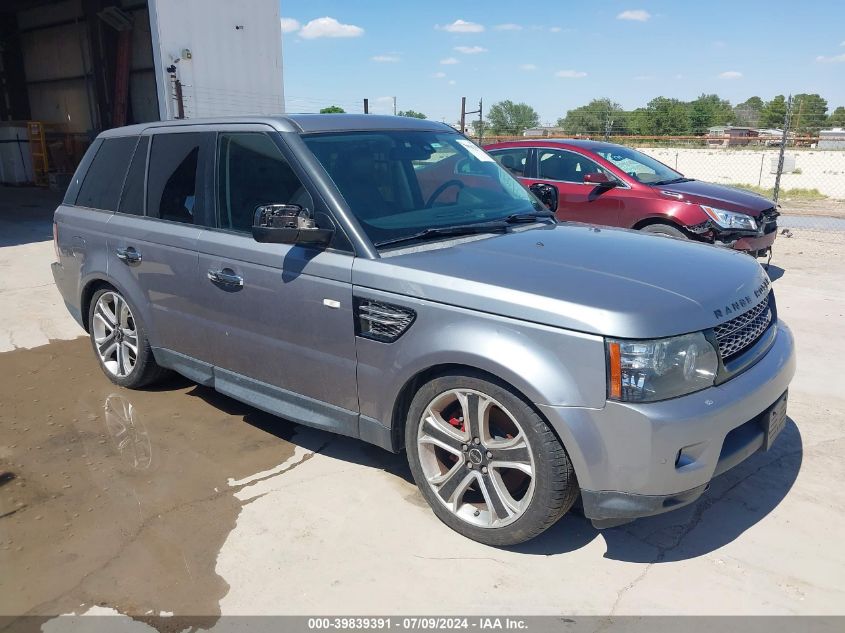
(251, 172)
(514, 160)
(132, 200)
(102, 184)
(401, 182)
(567, 166)
(172, 182)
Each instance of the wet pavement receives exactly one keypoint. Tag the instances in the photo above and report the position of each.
(119, 497)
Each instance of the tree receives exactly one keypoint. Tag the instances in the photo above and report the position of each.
(664, 116)
(707, 111)
(748, 112)
(773, 114)
(413, 114)
(594, 117)
(332, 110)
(809, 113)
(479, 128)
(507, 117)
(837, 119)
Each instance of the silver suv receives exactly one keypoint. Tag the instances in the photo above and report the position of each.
(384, 278)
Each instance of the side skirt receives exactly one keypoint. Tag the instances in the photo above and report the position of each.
(276, 401)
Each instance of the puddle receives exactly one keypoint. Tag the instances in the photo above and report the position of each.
(117, 498)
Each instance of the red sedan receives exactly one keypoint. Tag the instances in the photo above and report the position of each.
(605, 183)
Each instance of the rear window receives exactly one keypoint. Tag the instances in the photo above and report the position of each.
(172, 181)
(104, 180)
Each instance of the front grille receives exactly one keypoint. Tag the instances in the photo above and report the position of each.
(736, 335)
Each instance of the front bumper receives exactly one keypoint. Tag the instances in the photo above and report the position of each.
(634, 460)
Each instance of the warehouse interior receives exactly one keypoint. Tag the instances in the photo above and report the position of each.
(68, 70)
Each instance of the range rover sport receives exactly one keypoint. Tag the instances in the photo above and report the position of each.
(384, 278)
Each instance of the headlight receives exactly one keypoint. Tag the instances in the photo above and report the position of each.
(645, 371)
(730, 219)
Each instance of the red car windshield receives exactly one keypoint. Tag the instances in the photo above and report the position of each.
(639, 166)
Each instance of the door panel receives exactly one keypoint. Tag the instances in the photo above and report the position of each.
(277, 327)
(578, 201)
(162, 279)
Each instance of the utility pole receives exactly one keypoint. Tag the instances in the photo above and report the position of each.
(783, 140)
(394, 106)
(366, 106)
(478, 112)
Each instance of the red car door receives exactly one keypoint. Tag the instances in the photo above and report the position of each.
(579, 201)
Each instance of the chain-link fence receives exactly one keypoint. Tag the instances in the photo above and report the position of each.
(800, 163)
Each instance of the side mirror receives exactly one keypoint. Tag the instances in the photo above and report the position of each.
(600, 179)
(288, 224)
(546, 193)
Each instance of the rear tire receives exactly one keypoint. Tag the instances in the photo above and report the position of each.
(120, 342)
(505, 487)
(664, 229)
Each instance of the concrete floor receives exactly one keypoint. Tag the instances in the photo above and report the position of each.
(181, 501)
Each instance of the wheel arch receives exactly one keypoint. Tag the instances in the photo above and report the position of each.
(90, 287)
(661, 219)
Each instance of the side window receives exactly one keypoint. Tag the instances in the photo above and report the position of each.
(172, 181)
(514, 160)
(104, 180)
(252, 171)
(567, 166)
(132, 200)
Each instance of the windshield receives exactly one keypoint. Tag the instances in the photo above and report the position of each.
(400, 183)
(639, 166)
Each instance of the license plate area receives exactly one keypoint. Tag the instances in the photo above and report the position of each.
(773, 420)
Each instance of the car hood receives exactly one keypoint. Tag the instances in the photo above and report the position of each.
(729, 198)
(603, 281)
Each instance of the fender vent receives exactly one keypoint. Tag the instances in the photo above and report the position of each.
(381, 321)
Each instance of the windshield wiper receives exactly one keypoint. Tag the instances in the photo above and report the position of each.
(673, 181)
(515, 218)
(441, 231)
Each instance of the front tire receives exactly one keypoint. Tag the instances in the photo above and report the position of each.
(486, 462)
(120, 342)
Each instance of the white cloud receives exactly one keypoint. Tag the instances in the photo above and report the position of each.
(452, 82)
(470, 50)
(842, 43)
(555, 29)
(643, 77)
(329, 27)
(289, 25)
(386, 58)
(449, 61)
(508, 27)
(832, 59)
(730, 74)
(461, 26)
(439, 75)
(570, 74)
(679, 76)
(636, 15)
(719, 44)
(528, 67)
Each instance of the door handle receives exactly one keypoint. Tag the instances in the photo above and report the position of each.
(226, 276)
(128, 255)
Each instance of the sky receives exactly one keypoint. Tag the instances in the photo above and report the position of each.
(555, 55)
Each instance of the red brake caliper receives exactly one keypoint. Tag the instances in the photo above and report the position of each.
(458, 423)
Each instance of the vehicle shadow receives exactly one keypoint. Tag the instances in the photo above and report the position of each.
(735, 502)
(775, 272)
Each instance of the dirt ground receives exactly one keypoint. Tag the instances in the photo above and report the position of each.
(178, 501)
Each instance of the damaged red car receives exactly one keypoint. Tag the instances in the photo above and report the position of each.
(605, 183)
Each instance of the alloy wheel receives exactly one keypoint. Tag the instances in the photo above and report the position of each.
(476, 458)
(115, 334)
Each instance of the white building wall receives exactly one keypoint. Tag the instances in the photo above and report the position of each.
(235, 64)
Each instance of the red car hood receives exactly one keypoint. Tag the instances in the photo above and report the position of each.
(729, 198)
